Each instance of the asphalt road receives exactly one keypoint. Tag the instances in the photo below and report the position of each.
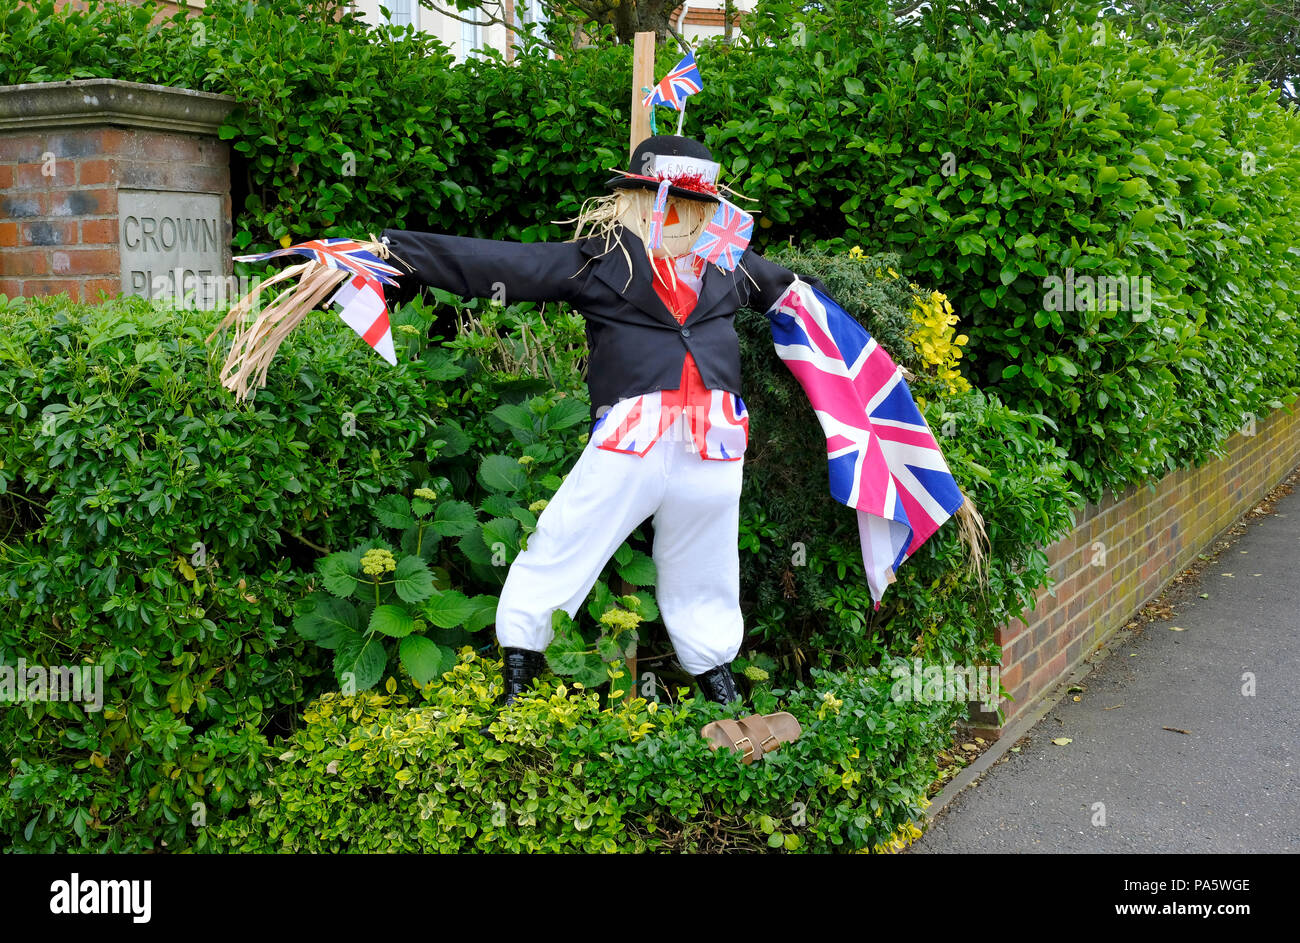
(1230, 784)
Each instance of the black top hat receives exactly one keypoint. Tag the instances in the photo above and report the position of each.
(688, 164)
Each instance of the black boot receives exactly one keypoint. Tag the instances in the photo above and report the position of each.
(719, 685)
(519, 669)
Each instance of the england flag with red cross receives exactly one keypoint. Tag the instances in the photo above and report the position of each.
(362, 301)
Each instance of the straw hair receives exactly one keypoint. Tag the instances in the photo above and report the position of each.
(609, 216)
(970, 530)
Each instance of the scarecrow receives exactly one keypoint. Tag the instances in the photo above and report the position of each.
(658, 267)
(670, 426)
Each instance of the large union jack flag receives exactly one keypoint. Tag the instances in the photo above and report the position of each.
(883, 459)
(725, 237)
(683, 80)
(337, 252)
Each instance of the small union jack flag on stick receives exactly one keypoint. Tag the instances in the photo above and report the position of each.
(725, 237)
(659, 215)
(683, 80)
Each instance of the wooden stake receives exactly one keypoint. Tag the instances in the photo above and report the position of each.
(643, 77)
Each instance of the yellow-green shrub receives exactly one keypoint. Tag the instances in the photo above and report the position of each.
(556, 772)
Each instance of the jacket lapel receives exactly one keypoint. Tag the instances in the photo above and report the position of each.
(611, 268)
(715, 290)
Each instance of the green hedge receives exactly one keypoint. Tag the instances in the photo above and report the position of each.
(155, 529)
(1102, 160)
(1070, 151)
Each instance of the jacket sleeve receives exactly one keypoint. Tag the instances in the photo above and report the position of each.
(486, 268)
(770, 281)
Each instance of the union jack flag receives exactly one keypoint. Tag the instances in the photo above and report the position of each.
(338, 252)
(683, 80)
(726, 236)
(883, 459)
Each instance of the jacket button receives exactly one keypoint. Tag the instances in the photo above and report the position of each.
(686, 332)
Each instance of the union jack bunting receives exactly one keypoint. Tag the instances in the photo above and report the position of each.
(339, 253)
(683, 80)
(657, 219)
(725, 237)
(883, 459)
(719, 431)
(362, 301)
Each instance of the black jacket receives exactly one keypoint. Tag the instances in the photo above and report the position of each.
(636, 345)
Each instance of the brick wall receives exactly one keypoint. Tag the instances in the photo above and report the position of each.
(1123, 551)
(58, 218)
(166, 7)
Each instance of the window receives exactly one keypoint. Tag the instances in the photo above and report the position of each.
(529, 12)
(471, 34)
(398, 12)
(530, 17)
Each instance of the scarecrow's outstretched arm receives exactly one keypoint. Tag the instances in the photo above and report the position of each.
(488, 268)
(771, 281)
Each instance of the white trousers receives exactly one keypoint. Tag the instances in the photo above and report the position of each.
(696, 507)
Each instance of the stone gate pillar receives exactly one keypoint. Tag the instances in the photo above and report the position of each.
(113, 187)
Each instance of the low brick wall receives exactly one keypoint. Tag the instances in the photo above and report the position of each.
(59, 231)
(166, 7)
(1123, 551)
(78, 156)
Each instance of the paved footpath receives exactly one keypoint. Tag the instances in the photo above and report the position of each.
(1231, 784)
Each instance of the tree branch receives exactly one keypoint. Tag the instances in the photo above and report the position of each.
(909, 8)
(530, 35)
(678, 36)
(317, 547)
